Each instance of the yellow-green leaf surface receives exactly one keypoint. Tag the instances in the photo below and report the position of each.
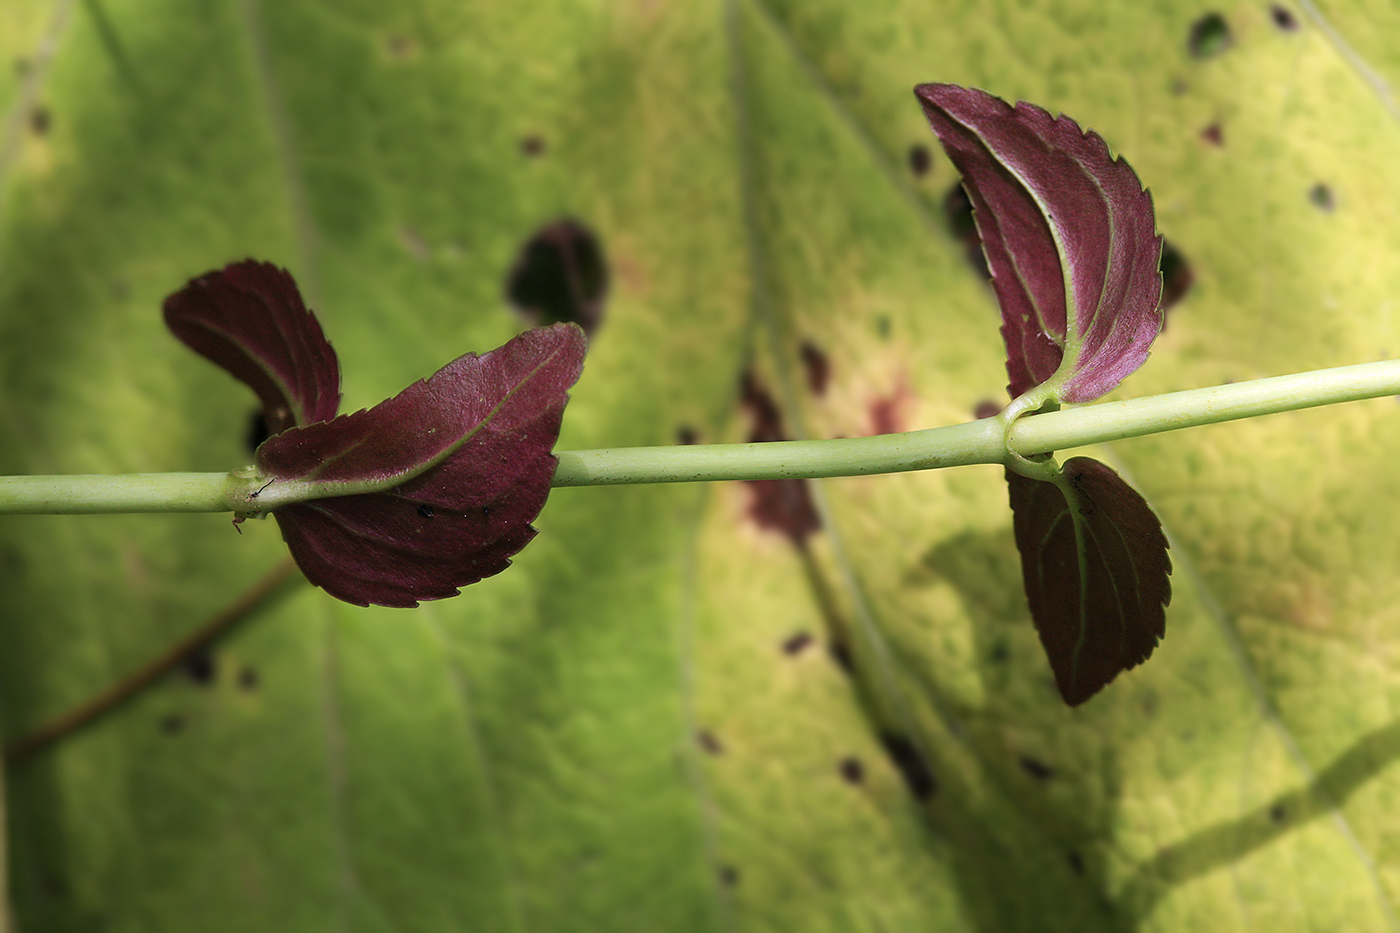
(627, 730)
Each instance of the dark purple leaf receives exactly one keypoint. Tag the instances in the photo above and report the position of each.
(1096, 572)
(1063, 225)
(248, 318)
(435, 488)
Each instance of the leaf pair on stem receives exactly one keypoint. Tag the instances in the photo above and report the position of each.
(435, 488)
(424, 493)
(1070, 240)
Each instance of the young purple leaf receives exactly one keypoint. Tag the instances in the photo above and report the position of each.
(248, 318)
(436, 487)
(1096, 573)
(1068, 233)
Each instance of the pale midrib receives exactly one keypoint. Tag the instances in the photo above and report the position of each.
(283, 139)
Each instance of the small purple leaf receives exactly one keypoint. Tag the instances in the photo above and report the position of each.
(249, 319)
(1063, 225)
(436, 487)
(1096, 570)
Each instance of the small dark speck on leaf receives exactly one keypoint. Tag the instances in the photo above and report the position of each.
(1177, 278)
(883, 327)
(986, 409)
(957, 210)
(1209, 36)
(794, 645)
(560, 275)
(817, 366)
(248, 679)
(842, 656)
(1214, 135)
(686, 435)
(852, 771)
(782, 505)
(920, 161)
(1036, 768)
(1000, 653)
(257, 431)
(1283, 18)
(905, 757)
(1278, 813)
(199, 667)
(426, 510)
(1321, 197)
(708, 742)
(40, 121)
(729, 875)
(1076, 862)
(172, 724)
(532, 145)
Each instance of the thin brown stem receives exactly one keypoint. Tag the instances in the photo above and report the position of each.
(98, 706)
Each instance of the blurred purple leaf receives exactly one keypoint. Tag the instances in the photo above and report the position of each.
(1096, 570)
(443, 479)
(1063, 225)
(249, 319)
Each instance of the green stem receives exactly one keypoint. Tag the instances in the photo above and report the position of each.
(985, 441)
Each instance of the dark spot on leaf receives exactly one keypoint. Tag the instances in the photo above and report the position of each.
(729, 875)
(794, 645)
(906, 758)
(782, 505)
(708, 742)
(817, 366)
(257, 431)
(1321, 197)
(882, 327)
(1036, 768)
(1209, 36)
(40, 121)
(560, 275)
(199, 667)
(686, 435)
(851, 770)
(986, 409)
(1177, 278)
(1283, 18)
(842, 656)
(172, 724)
(248, 679)
(426, 510)
(1000, 653)
(1213, 134)
(414, 243)
(887, 412)
(1278, 813)
(957, 209)
(532, 145)
(1076, 862)
(399, 47)
(920, 160)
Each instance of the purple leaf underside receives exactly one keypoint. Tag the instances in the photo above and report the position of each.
(467, 456)
(249, 319)
(1107, 616)
(1034, 180)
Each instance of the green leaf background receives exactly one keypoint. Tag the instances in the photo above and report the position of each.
(611, 735)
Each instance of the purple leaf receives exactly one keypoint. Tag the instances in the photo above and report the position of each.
(1096, 569)
(1064, 225)
(436, 487)
(248, 318)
